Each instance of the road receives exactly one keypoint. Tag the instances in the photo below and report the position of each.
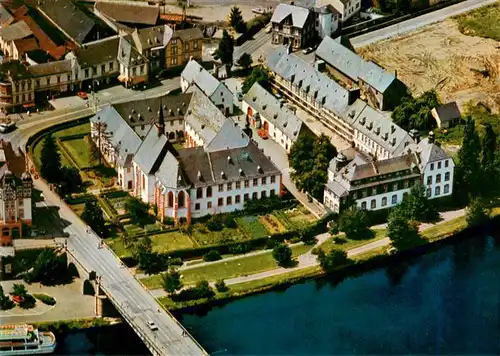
(418, 22)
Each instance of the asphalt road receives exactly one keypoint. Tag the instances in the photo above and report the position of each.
(418, 22)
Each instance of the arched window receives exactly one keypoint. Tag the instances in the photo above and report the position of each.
(170, 199)
(209, 192)
(180, 199)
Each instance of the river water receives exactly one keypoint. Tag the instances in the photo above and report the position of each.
(446, 301)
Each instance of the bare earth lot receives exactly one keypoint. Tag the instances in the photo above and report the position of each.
(461, 68)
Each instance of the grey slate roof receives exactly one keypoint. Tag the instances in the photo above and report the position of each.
(448, 112)
(328, 93)
(122, 136)
(267, 105)
(145, 111)
(428, 152)
(204, 117)
(212, 165)
(337, 188)
(170, 173)
(147, 38)
(15, 31)
(381, 129)
(299, 14)
(97, 53)
(69, 18)
(50, 68)
(352, 65)
(194, 73)
(150, 154)
(188, 34)
(353, 172)
(128, 54)
(129, 12)
(228, 137)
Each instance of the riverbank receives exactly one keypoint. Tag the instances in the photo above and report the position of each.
(434, 236)
(64, 326)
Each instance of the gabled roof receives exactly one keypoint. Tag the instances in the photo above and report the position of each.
(448, 112)
(153, 149)
(353, 171)
(50, 68)
(299, 14)
(98, 52)
(68, 17)
(128, 53)
(326, 91)
(121, 136)
(268, 106)
(152, 37)
(376, 77)
(132, 13)
(13, 69)
(428, 152)
(380, 128)
(170, 173)
(25, 45)
(188, 34)
(15, 31)
(228, 137)
(204, 117)
(194, 73)
(5, 16)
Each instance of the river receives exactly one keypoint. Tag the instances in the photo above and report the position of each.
(446, 301)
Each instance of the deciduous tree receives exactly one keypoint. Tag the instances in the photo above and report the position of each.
(50, 160)
(172, 281)
(258, 75)
(283, 255)
(138, 210)
(355, 224)
(245, 61)
(332, 260)
(415, 113)
(100, 137)
(476, 212)
(418, 207)
(400, 230)
(92, 215)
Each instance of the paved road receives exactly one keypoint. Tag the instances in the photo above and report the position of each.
(418, 22)
(135, 304)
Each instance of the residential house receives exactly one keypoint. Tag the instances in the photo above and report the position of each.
(5, 17)
(15, 194)
(327, 20)
(79, 25)
(446, 115)
(13, 32)
(436, 166)
(195, 75)
(293, 25)
(51, 78)
(134, 15)
(382, 89)
(140, 115)
(118, 143)
(94, 63)
(152, 43)
(17, 89)
(346, 8)
(185, 45)
(134, 67)
(264, 111)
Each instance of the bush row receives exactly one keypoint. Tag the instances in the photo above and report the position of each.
(79, 199)
(113, 193)
(73, 137)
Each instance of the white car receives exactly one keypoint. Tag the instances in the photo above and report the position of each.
(4, 128)
(152, 325)
(307, 50)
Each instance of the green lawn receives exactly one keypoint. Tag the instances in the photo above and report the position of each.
(294, 218)
(446, 228)
(37, 153)
(74, 130)
(252, 226)
(204, 237)
(230, 269)
(79, 151)
(171, 241)
(329, 245)
(482, 22)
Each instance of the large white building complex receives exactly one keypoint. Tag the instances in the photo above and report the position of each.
(217, 171)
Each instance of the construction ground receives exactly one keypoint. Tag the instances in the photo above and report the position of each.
(462, 68)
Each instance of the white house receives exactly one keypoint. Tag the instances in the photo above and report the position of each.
(134, 67)
(327, 20)
(346, 8)
(266, 112)
(195, 75)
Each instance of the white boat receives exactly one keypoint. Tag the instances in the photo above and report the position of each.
(24, 339)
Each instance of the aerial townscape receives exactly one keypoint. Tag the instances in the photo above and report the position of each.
(162, 158)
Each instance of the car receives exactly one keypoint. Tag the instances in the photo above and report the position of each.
(152, 325)
(269, 29)
(307, 50)
(7, 127)
(239, 95)
(83, 95)
(263, 134)
(258, 10)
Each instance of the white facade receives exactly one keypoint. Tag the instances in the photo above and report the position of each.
(145, 184)
(223, 97)
(438, 178)
(327, 23)
(346, 8)
(95, 72)
(126, 177)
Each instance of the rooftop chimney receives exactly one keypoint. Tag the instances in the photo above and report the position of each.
(431, 137)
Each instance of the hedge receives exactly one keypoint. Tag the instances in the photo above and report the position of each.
(80, 199)
(45, 299)
(113, 193)
(73, 137)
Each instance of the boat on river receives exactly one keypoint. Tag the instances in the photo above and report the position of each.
(24, 339)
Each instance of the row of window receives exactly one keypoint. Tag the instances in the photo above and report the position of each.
(186, 46)
(237, 185)
(437, 190)
(446, 164)
(237, 199)
(94, 69)
(383, 188)
(46, 81)
(23, 98)
(438, 177)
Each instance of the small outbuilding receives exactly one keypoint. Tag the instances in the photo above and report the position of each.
(446, 115)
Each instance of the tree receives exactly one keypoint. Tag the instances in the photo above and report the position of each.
(332, 260)
(71, 180)
(172, 281)
(476, 212)
(226, 49)
(5, 302)
(400, 230)
(309, 158)
(245, 61)
(488, 160)
(283, 255)
(100, 137)
(468, 170)
(355, 224)
(19, 290)
(138, 210)
(142, 247)
(415, 113)
(94, 152)
(418, 207)
(258, 75)
(236, 20)
(50, 160)
(49, 268)
(221, 286)
(92, 215)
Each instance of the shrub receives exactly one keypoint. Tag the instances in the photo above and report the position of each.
(221, 286)
(28, 303)
(239, 248)
(212, 255)
(282, 254)
(169, 221)
(270, 244)
(176, 261)
(316, 251)
(202, 290)
(229, 222)
(333, 260)
(339, 240)
(295, 239)
(45, 299)
(88, 288)
(215, 223)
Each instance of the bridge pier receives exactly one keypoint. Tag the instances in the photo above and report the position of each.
(99, 298)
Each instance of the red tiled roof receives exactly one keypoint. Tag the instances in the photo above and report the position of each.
(25, 45)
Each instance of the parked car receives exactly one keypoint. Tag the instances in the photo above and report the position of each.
(152, 325)
(263, 134)
(83, 95)
(7, 127)
(307, 50)
(269, 29)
